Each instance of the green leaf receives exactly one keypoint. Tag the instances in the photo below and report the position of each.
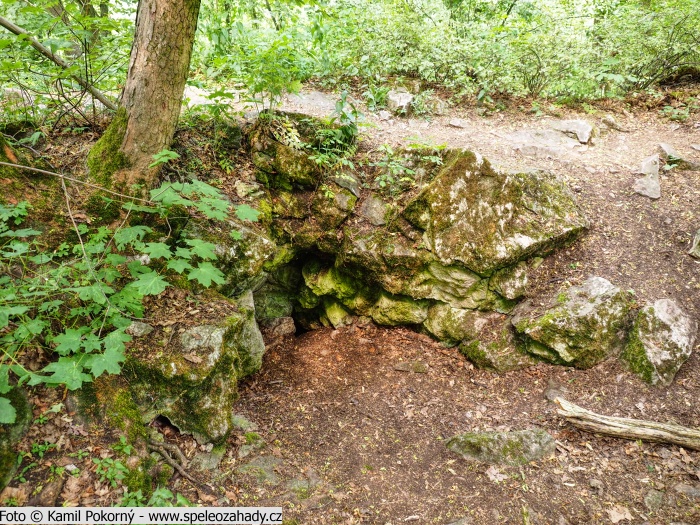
(5, 385)
(150, 283)
(27, 232)
(179, 265)
(203, 249)
(8, 414)
(213, 208)
(69, 341)
(107, 362)
(236, 235)
(162, 157)
(114, 342)
(67, 371)
(128, 235)
(205, 274)
(157, 249)
(246, 213)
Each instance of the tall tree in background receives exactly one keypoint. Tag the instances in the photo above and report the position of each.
(150, 103)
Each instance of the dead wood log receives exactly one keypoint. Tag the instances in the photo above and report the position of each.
(627, 428)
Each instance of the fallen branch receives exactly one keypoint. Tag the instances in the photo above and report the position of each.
(628, 428)
(12, 28)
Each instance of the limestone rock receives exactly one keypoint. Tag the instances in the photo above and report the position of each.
(487, 220)
(331, 205)
(510, 282)
(452, 325)
(399, 101)
(650, 166)
(543, 143)
(394, 310)
(581, 129)
(139, 329)
(194, 383)
(580, 327)
(458, 123)
(675, 160)
(648, 186)
(375, 210)
(661, 340)
(495, 347)
(503, 448)
(695, 247)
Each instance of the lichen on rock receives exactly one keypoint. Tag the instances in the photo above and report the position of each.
(510, 448)
(579, 327)
(660, 341)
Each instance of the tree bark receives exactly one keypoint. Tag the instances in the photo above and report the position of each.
(152, 96)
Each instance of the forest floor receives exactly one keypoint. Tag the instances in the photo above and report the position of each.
(349, 426)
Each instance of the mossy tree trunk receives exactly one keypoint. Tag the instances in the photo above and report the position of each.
(151, 100)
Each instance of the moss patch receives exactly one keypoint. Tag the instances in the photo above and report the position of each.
(105, 157)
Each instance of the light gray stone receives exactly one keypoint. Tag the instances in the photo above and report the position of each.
(139, 329)
(543, 143)
(661, 340)
(375, 210)
(580, 327)
(458, 123)
(580, 129)
(695, 247)
(399, 102)
(509, 448)
(650, 166)
(648, 186)
(654, 500)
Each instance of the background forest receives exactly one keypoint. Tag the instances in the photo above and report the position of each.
(570, 51)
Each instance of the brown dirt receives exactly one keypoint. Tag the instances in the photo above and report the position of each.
(362, 441)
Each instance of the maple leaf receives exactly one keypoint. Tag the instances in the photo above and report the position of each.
(205, 274)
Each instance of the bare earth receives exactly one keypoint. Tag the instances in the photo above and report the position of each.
(342, 434)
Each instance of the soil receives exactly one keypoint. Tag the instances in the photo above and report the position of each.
(349, 426)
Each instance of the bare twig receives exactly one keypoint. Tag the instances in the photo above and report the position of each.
(12, 28)
(159, 447)
(628, 428)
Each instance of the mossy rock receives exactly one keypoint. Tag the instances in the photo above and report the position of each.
(660, 341)
(193, 382)
(393, 310)
(487, 220)
(12, 434)
(335, 313)
(321, 280)
(515, 448)
(496, 348)
(511, 282)
(332, 205)
(580, 327)
(451, 325)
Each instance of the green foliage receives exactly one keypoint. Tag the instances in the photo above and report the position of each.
(74, 304)
(161, 497)
(111, 470)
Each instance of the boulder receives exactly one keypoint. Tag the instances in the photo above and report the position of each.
(398, 101)
(395, 310)
(661, 340)
(193, 380)
(503, 448)
(485, 220)
(579, 327)
(496, 348)
(648, 186)
(375, 210)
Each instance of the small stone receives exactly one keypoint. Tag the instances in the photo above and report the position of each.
(650, 166)
(510, 448)
(696, 147)
(263, 468)
(691, 491)
(597, 485)
(139, 329)
(208, 460)
(654, 500)
(384, 115)
(278, 328)
(695, 248)
(242, 423)
(648, 186)
(458, 123)
(609, 121)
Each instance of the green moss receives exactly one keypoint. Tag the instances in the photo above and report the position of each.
(10, 435)
(105, 157)
(102, 209)
(635, 356)
(119, 408)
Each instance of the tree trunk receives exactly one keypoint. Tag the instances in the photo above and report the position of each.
(150, 103)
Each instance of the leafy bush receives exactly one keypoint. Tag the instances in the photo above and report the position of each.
(73, 305)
